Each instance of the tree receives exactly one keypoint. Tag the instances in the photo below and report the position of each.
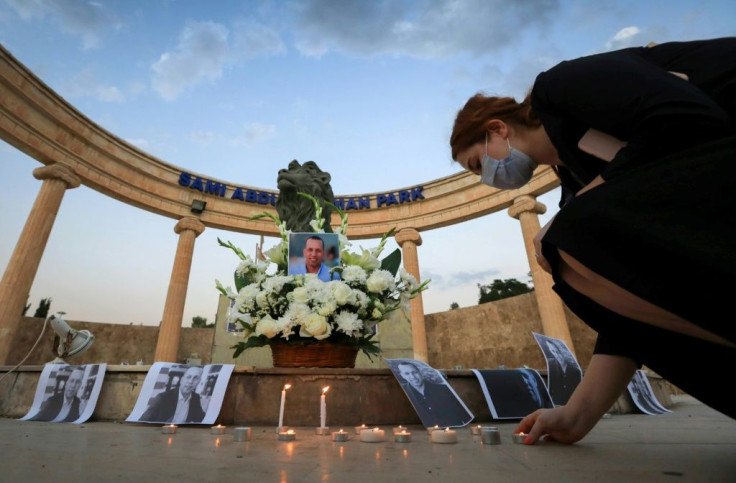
(199, 322)
(454, 306)
(501, 289)
(43, 308)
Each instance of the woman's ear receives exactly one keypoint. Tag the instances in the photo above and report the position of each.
(497, 126)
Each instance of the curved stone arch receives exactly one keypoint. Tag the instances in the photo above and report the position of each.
(37, 121)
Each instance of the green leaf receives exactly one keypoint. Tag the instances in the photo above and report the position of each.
(392, 262)
(240, 281)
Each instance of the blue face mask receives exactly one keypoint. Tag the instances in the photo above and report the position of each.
(513, 171)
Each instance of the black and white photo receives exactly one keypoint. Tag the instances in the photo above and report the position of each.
(513, 393)
(66, 394)
(181, 394)
(434, 399)
(563, 371)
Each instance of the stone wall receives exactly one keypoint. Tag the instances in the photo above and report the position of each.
(113, 344)
(479, 337)
(497, 333)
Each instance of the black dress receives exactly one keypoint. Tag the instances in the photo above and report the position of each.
(663, 225)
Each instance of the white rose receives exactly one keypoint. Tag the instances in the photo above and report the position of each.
(379, 281)
(316, 326)
(342, 292)
(300, 295)
(268, 327)
(262, 299)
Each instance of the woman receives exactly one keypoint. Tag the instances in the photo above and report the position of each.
(642, 249)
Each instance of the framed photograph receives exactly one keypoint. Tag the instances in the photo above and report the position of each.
(316, 253)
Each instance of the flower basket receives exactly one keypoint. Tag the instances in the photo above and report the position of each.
(318, 354)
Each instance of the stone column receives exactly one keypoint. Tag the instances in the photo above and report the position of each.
(551, 310)
(23, 265)
(167, 346)
(409, 239)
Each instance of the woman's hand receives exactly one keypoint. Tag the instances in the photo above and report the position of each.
(559, 424)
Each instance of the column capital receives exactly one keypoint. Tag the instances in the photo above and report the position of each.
(189, 223)
(58, 171)
(525, 203)
(408, 235)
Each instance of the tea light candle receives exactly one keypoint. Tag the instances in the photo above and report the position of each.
(375, 435)
(399, 429)
(289, 435)
(432, 429)
(340, 436)
(241, 434)
(169, 429)
(490, 435)
(476, 430)
(446, 435)
(402, 437)
(219, 429)
(519, 438)
(322, 431)
(360, 428)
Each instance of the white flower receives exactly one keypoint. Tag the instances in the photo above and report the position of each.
(349, 323)
(342, 293)
(275, 284)
(277, 254)
(354, 273)
(300, 295)
(316, 326)
(262, 299)
(268, 327)
(409, 281)
(379, 281)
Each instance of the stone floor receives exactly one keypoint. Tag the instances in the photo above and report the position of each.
(693, 443)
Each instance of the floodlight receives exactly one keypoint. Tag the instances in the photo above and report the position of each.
(72, 341)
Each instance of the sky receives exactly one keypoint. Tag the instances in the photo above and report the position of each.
(235, 90)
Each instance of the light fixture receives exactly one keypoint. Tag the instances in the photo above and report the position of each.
(198, 206)
(72, 341)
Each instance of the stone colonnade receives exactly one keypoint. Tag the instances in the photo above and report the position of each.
(57, 178)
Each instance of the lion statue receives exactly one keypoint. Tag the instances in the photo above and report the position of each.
(297, 210)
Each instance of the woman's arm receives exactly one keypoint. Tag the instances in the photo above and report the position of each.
(605, 380)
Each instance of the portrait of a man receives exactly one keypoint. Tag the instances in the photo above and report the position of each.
(513, 393)
(308, 253)
(563, 372)
(433, 398)
(178, 404)
(64, 405)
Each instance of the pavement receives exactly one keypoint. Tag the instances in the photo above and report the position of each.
(692, 443)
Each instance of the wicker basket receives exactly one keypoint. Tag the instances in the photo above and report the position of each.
(319, 354)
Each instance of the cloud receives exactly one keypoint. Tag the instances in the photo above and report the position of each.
(85, 84)
(253, 39)
(255, 133)
(86, 19)
(416, 28)
(452, 279)
(201, 137)
(626, 37)
(200, 56)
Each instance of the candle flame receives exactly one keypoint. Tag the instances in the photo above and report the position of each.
(286, 386)
(290, 431)
(325, 389)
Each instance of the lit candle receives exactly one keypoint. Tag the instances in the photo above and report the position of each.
(323, 408)
(219, 429)
(241, 434)
(360, 428)
(340, 436)
(399, 429)
(169, 429)
(289, 435)
(519, 438)
(375, 435)
(444, 436)
(402, 437)
(432, 429)
(281, 409)
(476, 429)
